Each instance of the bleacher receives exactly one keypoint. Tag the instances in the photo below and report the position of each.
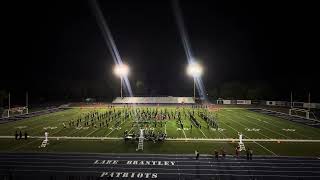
(297, 119)
(154, 100)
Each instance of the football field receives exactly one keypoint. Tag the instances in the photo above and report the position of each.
(103, 130)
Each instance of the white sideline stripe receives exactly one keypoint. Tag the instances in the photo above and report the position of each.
(186, 174)
(187, 165)
(167, 169)
(171, 139)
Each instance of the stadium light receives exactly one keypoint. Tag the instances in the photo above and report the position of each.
(121, 70)
(194, 70)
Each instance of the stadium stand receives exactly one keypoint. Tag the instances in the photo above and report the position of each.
(154, 100)
(302, 120)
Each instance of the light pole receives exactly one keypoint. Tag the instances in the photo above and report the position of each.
(194, 70)
(121, 70)
(194, 88)
(27, 102)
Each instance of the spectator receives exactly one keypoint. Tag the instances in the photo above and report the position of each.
(248, 152)
(25, 135)
(216, 154)
(237, 151)
(223, 152)
(251, 153)
(197, 154)
(16, 135)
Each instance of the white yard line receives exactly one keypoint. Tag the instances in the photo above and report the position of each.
(253, 141)
(130, 130)
(262, 126)
(281, 124)
(114, 129)
(185, 136)
(93, 131)
(245, 126)
(203, 133)
(165, 128)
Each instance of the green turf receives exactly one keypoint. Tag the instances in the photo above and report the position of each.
(231, 122)
(168, 147)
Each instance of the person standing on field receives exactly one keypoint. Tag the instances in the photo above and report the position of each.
(197, 154)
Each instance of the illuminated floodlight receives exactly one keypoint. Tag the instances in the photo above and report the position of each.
(194, 70)
(121, 70)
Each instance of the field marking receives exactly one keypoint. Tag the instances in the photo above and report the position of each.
(93, 131)
(165, 128)
(130, 130)
(115, 128)
(275, 120)
(247, 127)
(261, 126)
(50, 120)
(185, 136)
(174, 139)
(39, 128)
(253, 141)
(244, 126)
(203, 133)
(281, 122)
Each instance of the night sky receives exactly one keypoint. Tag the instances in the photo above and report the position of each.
(56, 49)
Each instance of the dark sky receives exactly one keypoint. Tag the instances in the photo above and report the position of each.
(53, 45)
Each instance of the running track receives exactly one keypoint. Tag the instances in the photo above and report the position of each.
(74, 166)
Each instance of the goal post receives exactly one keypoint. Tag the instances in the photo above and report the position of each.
(15, 111)
(302, 113)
